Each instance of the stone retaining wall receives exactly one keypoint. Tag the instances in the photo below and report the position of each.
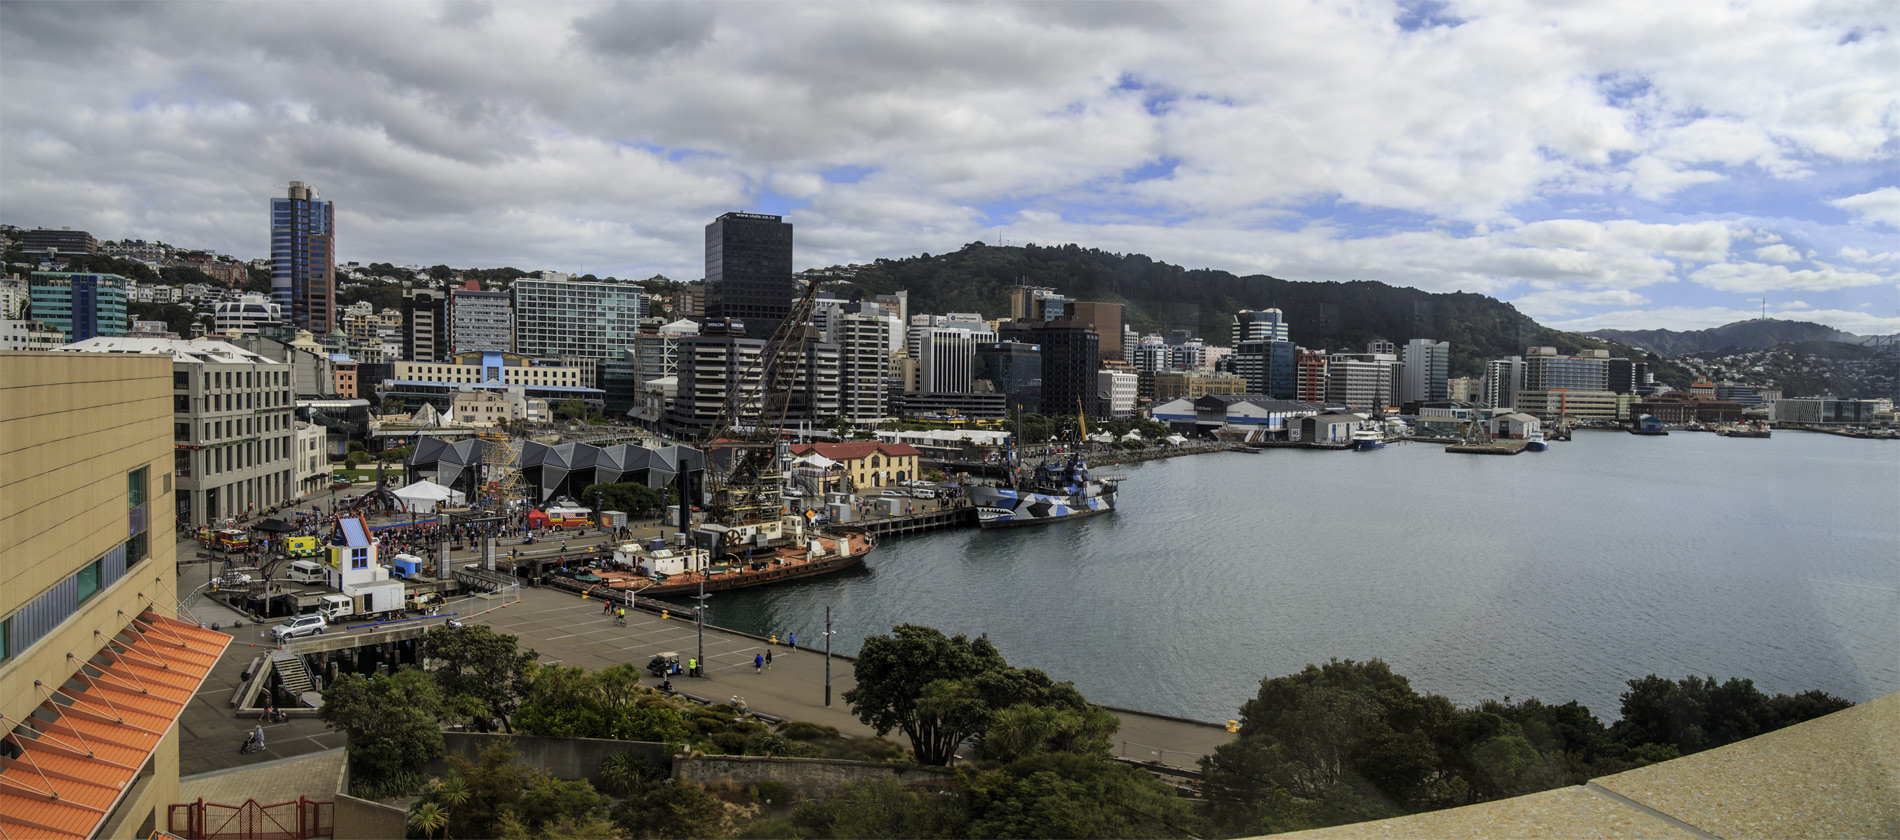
(566, 758)
(808, 776)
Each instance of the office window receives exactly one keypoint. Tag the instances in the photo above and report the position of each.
(88, 579)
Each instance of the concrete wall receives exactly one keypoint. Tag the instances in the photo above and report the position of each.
(361, 819)
(566, 758)
(808, 776)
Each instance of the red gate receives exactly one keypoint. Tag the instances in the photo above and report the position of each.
(298, 820)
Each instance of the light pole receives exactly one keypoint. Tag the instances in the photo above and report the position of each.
(699, 617)
(827, 657)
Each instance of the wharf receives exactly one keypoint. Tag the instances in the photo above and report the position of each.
(955, 517)
(1300, 444)
(1496, 447)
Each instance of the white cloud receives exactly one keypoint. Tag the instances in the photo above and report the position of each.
(1756, 277)
(1552, 304)
(1704, 317)
(1778, 253)
(1308, 141)
(1882, 206)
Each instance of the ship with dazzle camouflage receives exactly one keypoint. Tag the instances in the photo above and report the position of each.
(1047, 492)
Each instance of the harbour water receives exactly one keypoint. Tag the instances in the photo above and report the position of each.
(1559, 575)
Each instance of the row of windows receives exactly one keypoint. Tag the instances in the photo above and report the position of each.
(41, 615)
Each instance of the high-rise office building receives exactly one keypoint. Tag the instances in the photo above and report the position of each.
(1270, 367)
(303, 258)
(1426, 374)
(1071, 354)
(424, 325)
(576, 318)
(1503, 378)
(81, 305)
(1260, 325)
(1107, 318)
(721, 362)
(1013, 369)
(55, 245)
(864, 336)
(1360, 380)
(480, 322)
(1309, 371)
(749, 271)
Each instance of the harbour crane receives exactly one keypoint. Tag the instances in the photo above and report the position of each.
(752, 417)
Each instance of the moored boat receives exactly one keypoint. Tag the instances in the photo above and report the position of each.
(1050, 492)
(1365, 439)
(1535, 442)
(669, 572)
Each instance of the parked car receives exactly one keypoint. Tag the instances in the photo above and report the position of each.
(303, 625)
(793, 493)
(896, 494)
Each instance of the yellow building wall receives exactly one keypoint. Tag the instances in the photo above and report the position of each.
(71, 426)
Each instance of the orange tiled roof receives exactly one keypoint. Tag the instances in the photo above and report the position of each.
(89, 739)
(854, 451)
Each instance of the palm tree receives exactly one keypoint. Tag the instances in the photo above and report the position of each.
(428, 818)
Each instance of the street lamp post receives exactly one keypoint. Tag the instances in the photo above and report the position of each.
(699, 616)
(827, 657)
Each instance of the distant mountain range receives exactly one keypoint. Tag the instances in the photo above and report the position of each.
(1746, 335)
(1159, 297)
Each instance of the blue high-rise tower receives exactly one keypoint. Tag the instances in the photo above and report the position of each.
(303, 258)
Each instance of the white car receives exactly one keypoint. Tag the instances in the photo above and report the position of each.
(303, 625)
(896, 494)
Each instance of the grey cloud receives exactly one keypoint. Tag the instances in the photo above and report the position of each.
(645, 30)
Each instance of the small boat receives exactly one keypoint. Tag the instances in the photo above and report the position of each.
(1366, 439)
(1535, 442)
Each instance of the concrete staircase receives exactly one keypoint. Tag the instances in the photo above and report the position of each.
(290, 667)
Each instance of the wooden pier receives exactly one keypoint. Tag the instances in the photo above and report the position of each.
(936, 520)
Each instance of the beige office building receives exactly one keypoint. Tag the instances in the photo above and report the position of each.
(95, 669)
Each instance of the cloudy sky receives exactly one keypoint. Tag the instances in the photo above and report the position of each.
(1600, 164)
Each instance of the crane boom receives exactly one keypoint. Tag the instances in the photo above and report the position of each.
(754, 412)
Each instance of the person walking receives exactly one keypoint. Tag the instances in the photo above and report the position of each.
(791, 640)
(768, 660)
(692, 666)
(758, 663)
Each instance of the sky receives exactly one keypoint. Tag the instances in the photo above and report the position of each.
(1631, 165)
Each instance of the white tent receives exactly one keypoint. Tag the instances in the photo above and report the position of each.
(425, 495)
(813, 459)
(1132, 435)
(1177, 440)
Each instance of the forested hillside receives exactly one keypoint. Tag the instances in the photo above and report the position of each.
(1160, 297)
(1745, 335)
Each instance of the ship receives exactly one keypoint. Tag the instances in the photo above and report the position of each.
(720, 558)
(1744, 430)
(1535, 442)
(1368, 438)
(1051, 491)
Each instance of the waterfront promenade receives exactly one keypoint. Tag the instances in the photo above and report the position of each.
(567, 630)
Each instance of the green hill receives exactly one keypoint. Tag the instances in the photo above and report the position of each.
(1158, 297)
(1746, 335)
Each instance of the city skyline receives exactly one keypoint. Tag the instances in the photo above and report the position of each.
(1635, 166)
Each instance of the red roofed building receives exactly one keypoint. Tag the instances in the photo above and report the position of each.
(869, 463)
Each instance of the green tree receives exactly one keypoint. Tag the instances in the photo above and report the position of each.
(916, 680)
(441, 272)
(1065, 795)
(390, 725)
(428, 818)
(486, 668)
(177, 317)
(572, 702)
(671, 809)
(883, 808)
(1697, 713)
(566, 410)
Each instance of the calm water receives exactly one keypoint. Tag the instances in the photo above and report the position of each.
(1559, 575)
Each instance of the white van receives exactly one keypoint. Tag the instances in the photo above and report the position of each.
(306, 571)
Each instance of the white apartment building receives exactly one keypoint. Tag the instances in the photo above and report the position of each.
(313, 465)
(245, 313)
(1117, 392)
(1361, 380)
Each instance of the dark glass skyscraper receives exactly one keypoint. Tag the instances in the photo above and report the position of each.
(749, 271)
(303, 258)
